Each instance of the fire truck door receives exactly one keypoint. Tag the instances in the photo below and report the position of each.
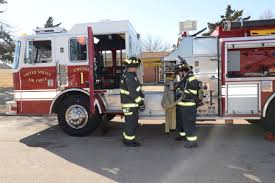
(242, 94)
(38, 76)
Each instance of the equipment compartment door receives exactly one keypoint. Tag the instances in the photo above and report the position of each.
(242, 98)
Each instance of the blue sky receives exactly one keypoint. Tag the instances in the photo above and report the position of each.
(159, 18)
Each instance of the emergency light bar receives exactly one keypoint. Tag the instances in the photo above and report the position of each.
(188, 25)
(49, 30)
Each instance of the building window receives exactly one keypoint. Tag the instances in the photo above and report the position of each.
(78, 49)
(38, 52)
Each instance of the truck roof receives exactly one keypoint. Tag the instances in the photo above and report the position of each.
(99, 28)
(103, 27)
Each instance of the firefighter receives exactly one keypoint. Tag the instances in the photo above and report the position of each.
(132, 100)
(186, 109)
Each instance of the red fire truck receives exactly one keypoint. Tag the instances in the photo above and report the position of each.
(76, 73)
(237, 67)
(56, 71)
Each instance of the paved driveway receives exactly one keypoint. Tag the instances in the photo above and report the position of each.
(34, 149)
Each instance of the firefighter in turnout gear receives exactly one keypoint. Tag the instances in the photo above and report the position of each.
(186, 110)
(132, 100)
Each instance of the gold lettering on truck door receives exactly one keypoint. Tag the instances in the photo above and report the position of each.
(81, 78)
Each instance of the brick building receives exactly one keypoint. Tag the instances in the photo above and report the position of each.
(153, 67)
(6, 79)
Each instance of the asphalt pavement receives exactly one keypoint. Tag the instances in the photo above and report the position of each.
(34, 149)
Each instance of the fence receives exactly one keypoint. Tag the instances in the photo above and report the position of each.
(6, 80)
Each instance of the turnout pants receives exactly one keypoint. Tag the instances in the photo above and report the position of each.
(186, 121)
(131, 123)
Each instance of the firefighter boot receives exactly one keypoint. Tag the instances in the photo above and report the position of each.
(131, 143)
(181, 137)
(191, 144)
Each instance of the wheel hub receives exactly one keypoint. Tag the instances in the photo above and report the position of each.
(76, 116)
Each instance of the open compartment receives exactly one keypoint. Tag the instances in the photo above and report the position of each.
(110, 51)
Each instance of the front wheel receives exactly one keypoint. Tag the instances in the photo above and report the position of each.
(254, 121)
(269, 120)
(74, 116)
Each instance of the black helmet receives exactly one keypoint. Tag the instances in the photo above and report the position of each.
(183, 66)
(132, 62)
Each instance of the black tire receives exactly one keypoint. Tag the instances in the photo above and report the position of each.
(74, 104)
(269, 120)
(254, 121)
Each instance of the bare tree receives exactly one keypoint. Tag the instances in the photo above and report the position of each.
(154, 44)
(6, 39)
(267, 14)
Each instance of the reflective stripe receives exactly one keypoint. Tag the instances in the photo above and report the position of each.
(138, 99)
(128, 113)
(182, 134)
(129, 105)
(193, 138)
(128, 61)
(138, 89)
(124, 92)
(191, 78)
(131, 61)
(195, 92)
(186, 103)
(128, 137)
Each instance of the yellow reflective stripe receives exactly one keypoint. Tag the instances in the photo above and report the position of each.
(124, 92)
(128, 61)
(138, 99)
(191, 78)
(182, 134)
(138, 89)
(195, 92)
(193, 138)
(128, 137)
(128, 113)
(186, 103)
(129, 105)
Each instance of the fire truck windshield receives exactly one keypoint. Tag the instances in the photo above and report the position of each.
(16, 55)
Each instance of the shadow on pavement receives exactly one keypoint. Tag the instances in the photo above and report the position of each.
(153, 162)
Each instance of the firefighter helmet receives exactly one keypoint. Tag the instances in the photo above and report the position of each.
(132, 62)
(182, 66)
